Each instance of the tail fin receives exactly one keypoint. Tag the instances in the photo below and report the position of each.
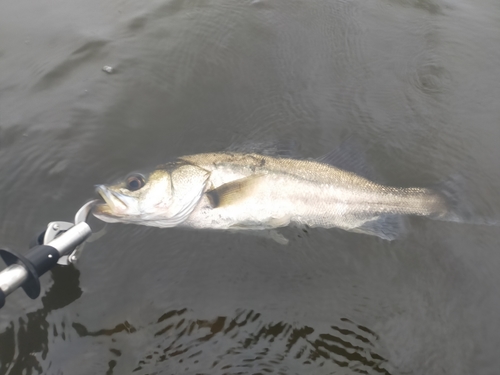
(460, 208)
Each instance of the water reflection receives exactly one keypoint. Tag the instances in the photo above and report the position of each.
(248, 343)
(22, 343)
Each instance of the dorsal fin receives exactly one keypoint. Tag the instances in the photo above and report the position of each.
(283, 148)
(351, 157)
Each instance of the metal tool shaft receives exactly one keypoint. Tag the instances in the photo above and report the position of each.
(17, 274)
(73, 237)
(12, 278)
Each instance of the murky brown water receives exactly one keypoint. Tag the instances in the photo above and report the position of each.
(416, 82)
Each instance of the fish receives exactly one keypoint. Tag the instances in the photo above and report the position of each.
(255, 192)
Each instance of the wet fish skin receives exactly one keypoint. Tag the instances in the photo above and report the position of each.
(254, 192)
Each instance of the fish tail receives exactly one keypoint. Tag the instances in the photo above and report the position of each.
(458, 205)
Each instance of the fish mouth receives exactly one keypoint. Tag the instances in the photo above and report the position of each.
(112, 206)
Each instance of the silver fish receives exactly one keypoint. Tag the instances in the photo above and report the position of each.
(236, 191)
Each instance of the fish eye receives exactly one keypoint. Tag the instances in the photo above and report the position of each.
(135, 181)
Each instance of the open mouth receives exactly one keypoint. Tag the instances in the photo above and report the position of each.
(112, 203)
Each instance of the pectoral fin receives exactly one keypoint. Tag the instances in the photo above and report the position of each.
(234, 191)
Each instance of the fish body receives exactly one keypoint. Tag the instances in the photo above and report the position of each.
(236, 191)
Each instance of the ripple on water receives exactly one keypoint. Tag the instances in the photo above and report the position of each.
(247, 343)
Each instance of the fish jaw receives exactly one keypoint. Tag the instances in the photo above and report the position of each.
(116, 206)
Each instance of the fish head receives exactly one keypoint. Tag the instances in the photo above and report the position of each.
(164, 198)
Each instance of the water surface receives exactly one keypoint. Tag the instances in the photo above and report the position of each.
(415, 82)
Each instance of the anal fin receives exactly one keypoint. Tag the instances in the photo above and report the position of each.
(386, 226)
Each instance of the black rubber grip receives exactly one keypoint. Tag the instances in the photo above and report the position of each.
(39, 260)
(43, 258)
